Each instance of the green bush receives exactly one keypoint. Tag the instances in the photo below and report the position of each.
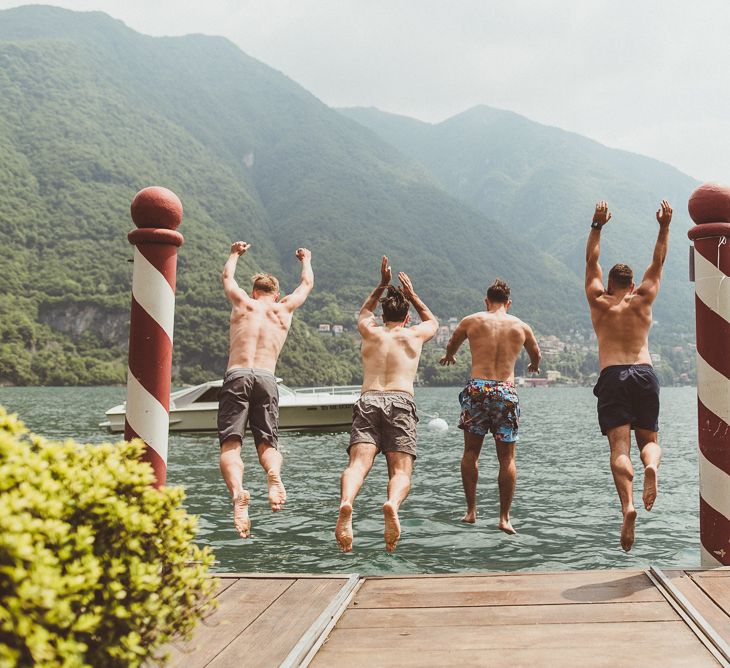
(96, 567)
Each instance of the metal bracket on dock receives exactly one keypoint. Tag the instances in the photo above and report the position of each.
(699, 625)
(303, 652)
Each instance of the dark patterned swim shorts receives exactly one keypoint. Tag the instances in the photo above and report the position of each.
(490, 406)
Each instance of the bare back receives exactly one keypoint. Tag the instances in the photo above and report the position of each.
(495, 340)
(622, 323)
(622, 317)
(390, 358)
(259, 328)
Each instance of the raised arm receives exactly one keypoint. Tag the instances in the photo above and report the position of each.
(652, 276)
(429, 322)
(457, 338)
(366, 317)
(234, 293)
(306, 283)
(533, 350)
(594, 274)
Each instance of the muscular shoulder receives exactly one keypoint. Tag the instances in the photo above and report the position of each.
(473, 320)
(601, 303)
(520, 325)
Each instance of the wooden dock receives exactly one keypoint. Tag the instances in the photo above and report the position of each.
(577, 618)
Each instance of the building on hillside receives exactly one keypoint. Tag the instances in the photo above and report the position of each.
(337, 330)
(656, 358)
(453, 323)
(553, 375)
(551, 345)
(325, 328)
(442, 335)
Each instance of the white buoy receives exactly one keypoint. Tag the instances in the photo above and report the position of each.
(438, 424)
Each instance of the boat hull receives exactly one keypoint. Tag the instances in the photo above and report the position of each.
(322, 417)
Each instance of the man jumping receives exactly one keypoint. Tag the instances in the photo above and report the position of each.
(627, 388)
(489, 402)
(384, 418)
(259, 326)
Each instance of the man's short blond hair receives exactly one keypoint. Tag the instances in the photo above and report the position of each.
(265, 283)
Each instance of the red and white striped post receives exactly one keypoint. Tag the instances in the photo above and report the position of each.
(709, 207)
(156, 212)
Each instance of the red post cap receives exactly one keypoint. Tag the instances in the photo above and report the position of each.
(710, 203)
(156, 207)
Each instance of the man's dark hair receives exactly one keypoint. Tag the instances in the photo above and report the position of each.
(621, 275)
(498, 292)
(395, 305)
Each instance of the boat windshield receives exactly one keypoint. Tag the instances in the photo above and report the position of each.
(283, 389)
(211, 394)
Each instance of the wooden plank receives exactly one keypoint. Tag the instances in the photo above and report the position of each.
(614, 644)
(687, 585)
(238, 606)
(720, 572)
(576, 587)
(373, 618)
(565, 657)
(710, 594)
(286, 576)
(269, 639)
(506, 574)
(717, 588)
(221, 584)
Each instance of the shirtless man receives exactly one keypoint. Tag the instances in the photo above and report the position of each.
(259, 326)
(489, 402)
(628, 388)
(384, 418)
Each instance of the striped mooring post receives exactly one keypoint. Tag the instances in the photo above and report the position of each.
(156, 212)
(709, 207)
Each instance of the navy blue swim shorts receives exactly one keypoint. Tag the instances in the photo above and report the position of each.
(628, 394)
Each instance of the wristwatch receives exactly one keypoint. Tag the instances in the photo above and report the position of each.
(596, 225)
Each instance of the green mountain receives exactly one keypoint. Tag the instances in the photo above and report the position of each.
(542, 183)
(91, 111)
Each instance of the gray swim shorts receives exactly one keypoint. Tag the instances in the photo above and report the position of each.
(387, 420)
(249, 395)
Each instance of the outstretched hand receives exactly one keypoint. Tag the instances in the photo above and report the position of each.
(601, 215)
(303, 254)
(447, 360)
(240, 247)
(664, 213)
(533, 368)
(385, 272)
(406, 286)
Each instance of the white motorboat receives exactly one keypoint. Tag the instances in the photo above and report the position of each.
(306, 409)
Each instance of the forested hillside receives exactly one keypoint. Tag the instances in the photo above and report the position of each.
(91, 111)
(542, 182)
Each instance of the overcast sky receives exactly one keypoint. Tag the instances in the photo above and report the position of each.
(650, 76)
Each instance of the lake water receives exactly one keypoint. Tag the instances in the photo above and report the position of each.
(565, 509)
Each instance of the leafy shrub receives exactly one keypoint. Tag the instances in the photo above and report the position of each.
(96, 566)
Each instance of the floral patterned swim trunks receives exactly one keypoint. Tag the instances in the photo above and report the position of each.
(490, 406)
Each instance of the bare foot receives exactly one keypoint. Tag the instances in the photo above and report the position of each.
(470, 517)
(506, 526)
(277, 493)
(392, 526)
(627, 529)
(343, 530)
(240, 514)
(650, 486)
